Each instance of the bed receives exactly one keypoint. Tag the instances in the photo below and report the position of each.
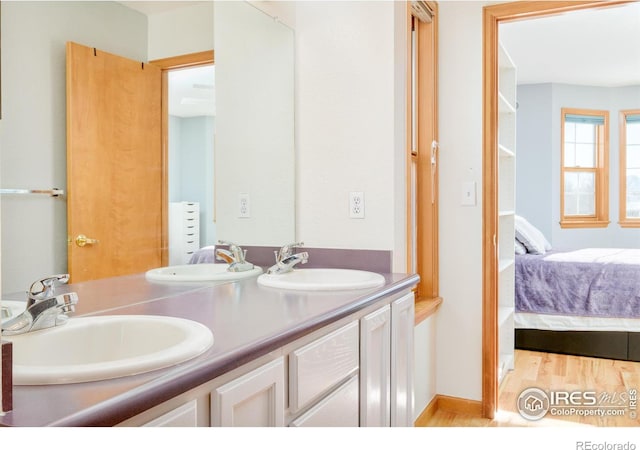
(204, 255)
(583, 302)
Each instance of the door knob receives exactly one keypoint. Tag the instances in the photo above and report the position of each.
(82, 240)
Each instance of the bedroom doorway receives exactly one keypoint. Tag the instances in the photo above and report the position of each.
(493, 16)
(196, 92)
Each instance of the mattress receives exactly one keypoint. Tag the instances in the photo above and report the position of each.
(587, 289)
(555, 322)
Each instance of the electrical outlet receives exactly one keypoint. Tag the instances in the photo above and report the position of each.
(356, 205)
(244, 207)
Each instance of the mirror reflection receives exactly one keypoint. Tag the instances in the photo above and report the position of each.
(190, 153)
(253, 136)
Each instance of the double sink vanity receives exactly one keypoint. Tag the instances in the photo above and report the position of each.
(305, 347)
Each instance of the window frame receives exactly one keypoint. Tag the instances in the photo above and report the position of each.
(624, 221)
(600, 219)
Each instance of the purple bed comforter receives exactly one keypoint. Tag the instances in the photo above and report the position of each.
(600, 282)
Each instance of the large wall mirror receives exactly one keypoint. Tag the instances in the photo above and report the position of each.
(250, 130)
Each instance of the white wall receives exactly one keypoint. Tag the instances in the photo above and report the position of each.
(425, 364)
(539, 147)
(254, 126)
(33, 143)
(191, 168)
(459, 331)
(349, 66)
(181, 31)
(345, 106)
(282, 10)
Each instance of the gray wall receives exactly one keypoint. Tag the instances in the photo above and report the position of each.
(33, 142)
(538, 160)
(191, 168)
(534, 194)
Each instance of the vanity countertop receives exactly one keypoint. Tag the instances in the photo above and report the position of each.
(247, 320)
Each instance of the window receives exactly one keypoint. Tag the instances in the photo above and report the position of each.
(630, 168)
(584, 180)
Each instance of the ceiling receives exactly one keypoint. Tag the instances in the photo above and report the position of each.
(192, 92)
(596, 47)
(153, 7)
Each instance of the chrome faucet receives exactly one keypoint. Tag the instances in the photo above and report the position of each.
(44, 308)
(286, 259)
(235, 257)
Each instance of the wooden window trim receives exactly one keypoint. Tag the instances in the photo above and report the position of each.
(601, 217)
(426, 190)
(624, 221)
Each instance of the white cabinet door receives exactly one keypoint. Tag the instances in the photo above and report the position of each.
(183, 416)
(321, 365)
(252, 400)
(375, 361)
(402, 328)
(339, 409)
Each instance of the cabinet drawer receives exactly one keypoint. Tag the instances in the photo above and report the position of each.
(322, 364)
(191, 224)
(183, 416)
(339, 409)
(191, 245)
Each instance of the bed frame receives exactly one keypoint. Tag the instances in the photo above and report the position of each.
(623, 345)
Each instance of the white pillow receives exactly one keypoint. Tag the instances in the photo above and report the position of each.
(520, 249)
(531, 237)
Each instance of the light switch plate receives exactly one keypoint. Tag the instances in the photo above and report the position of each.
(469, 193)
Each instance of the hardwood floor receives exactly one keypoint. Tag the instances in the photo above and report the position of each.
(553, 372)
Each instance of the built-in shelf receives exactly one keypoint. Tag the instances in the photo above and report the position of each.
(504, 106)
(507, 101)
(505, 152)
(505, 364)
(505, 263)
(504, 313)
(504, 60)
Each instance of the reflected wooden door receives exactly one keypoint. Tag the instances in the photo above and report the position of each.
(114, 164)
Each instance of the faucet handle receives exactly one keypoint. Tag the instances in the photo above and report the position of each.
(287, 250)
(239, 254)
(46, 287)
(232, 246)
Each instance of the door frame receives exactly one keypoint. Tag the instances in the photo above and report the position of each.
(166, 65)
(492, 17)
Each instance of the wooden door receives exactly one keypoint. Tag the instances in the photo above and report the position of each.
(114, 164)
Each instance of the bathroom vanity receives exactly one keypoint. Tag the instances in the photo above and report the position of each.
(279, 358)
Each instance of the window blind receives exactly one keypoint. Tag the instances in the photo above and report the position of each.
(581, 118)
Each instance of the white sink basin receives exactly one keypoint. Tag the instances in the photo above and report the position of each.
(322, 279)
(199, 272)
(105, 347)
(15, 308)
